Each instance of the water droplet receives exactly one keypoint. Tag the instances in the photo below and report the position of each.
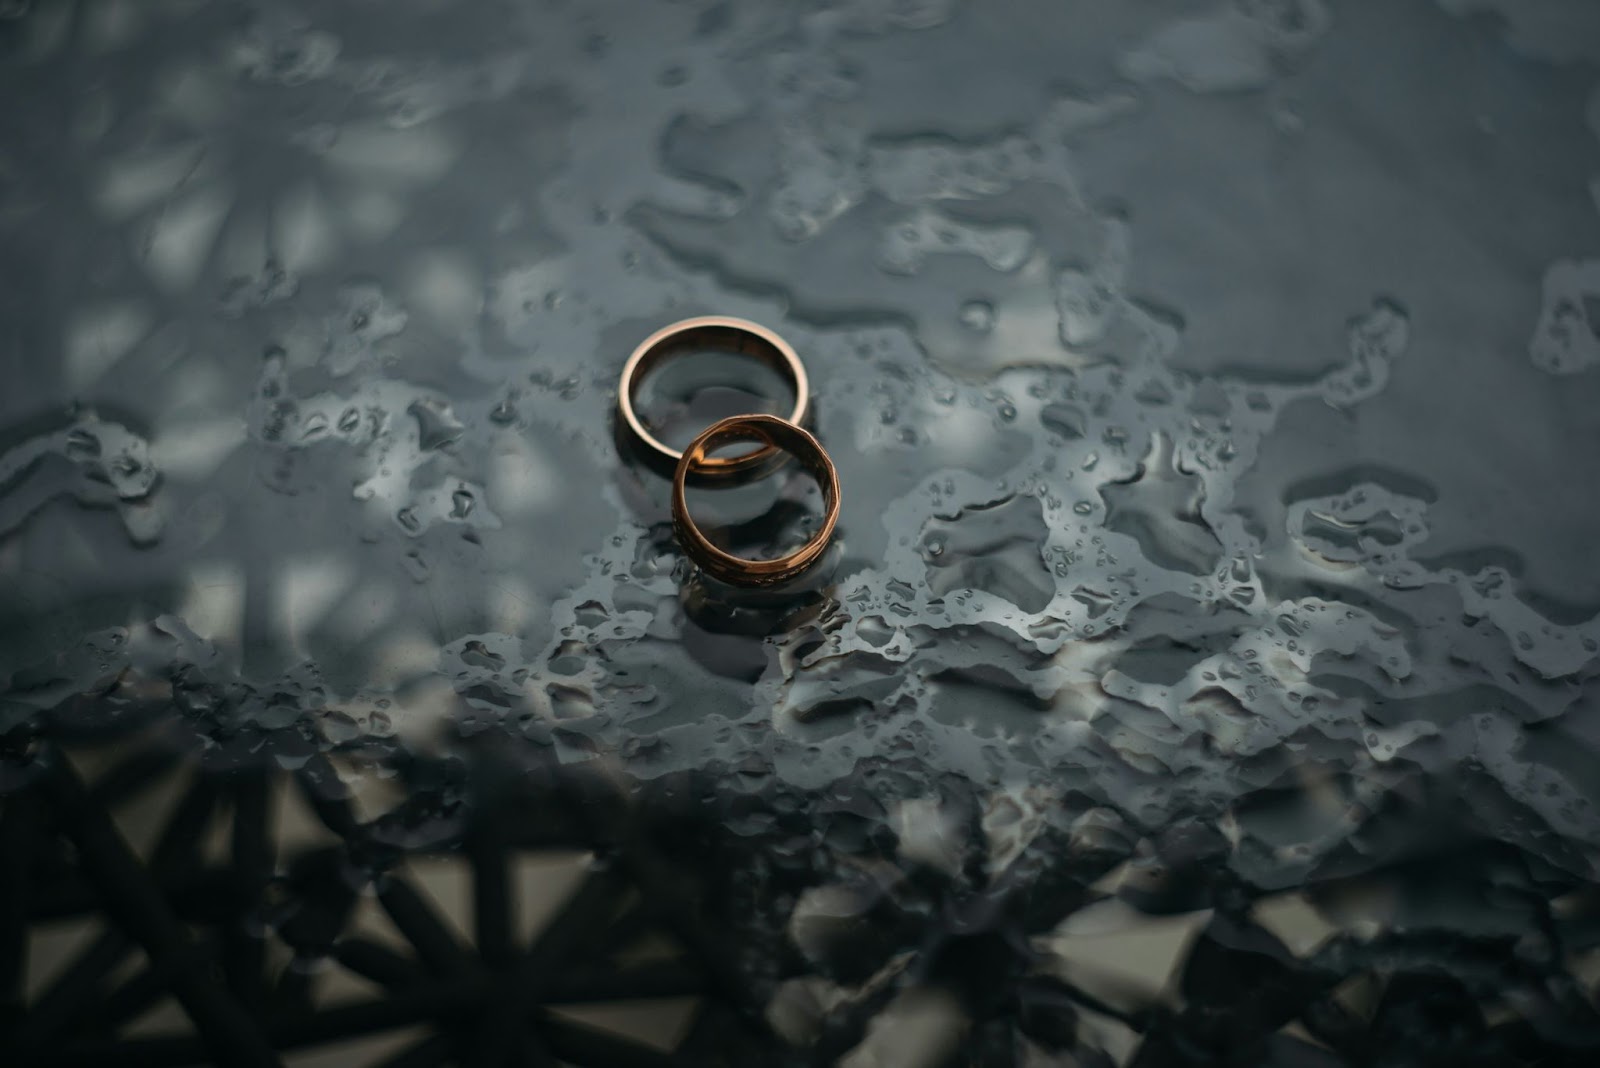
(476, 654)
(504, 412)
(590, 614)
(1154, 392)
(436, 423)
(82, 444)
(1063, 420)
(416, 566)
(978, 316)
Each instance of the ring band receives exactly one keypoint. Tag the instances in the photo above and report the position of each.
(776, 434)
(725, 334)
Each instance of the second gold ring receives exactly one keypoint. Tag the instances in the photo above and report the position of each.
(773, 433)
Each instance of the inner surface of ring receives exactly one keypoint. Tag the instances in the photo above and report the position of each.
(695, 387)
(731, 372)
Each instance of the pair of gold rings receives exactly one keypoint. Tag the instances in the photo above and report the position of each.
(776, 437)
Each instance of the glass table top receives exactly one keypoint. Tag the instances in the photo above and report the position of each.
(1204, 669)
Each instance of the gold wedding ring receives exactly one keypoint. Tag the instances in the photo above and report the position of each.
(723, 334)
(775, 434)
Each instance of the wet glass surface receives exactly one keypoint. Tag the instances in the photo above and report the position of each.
(1205, 667)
